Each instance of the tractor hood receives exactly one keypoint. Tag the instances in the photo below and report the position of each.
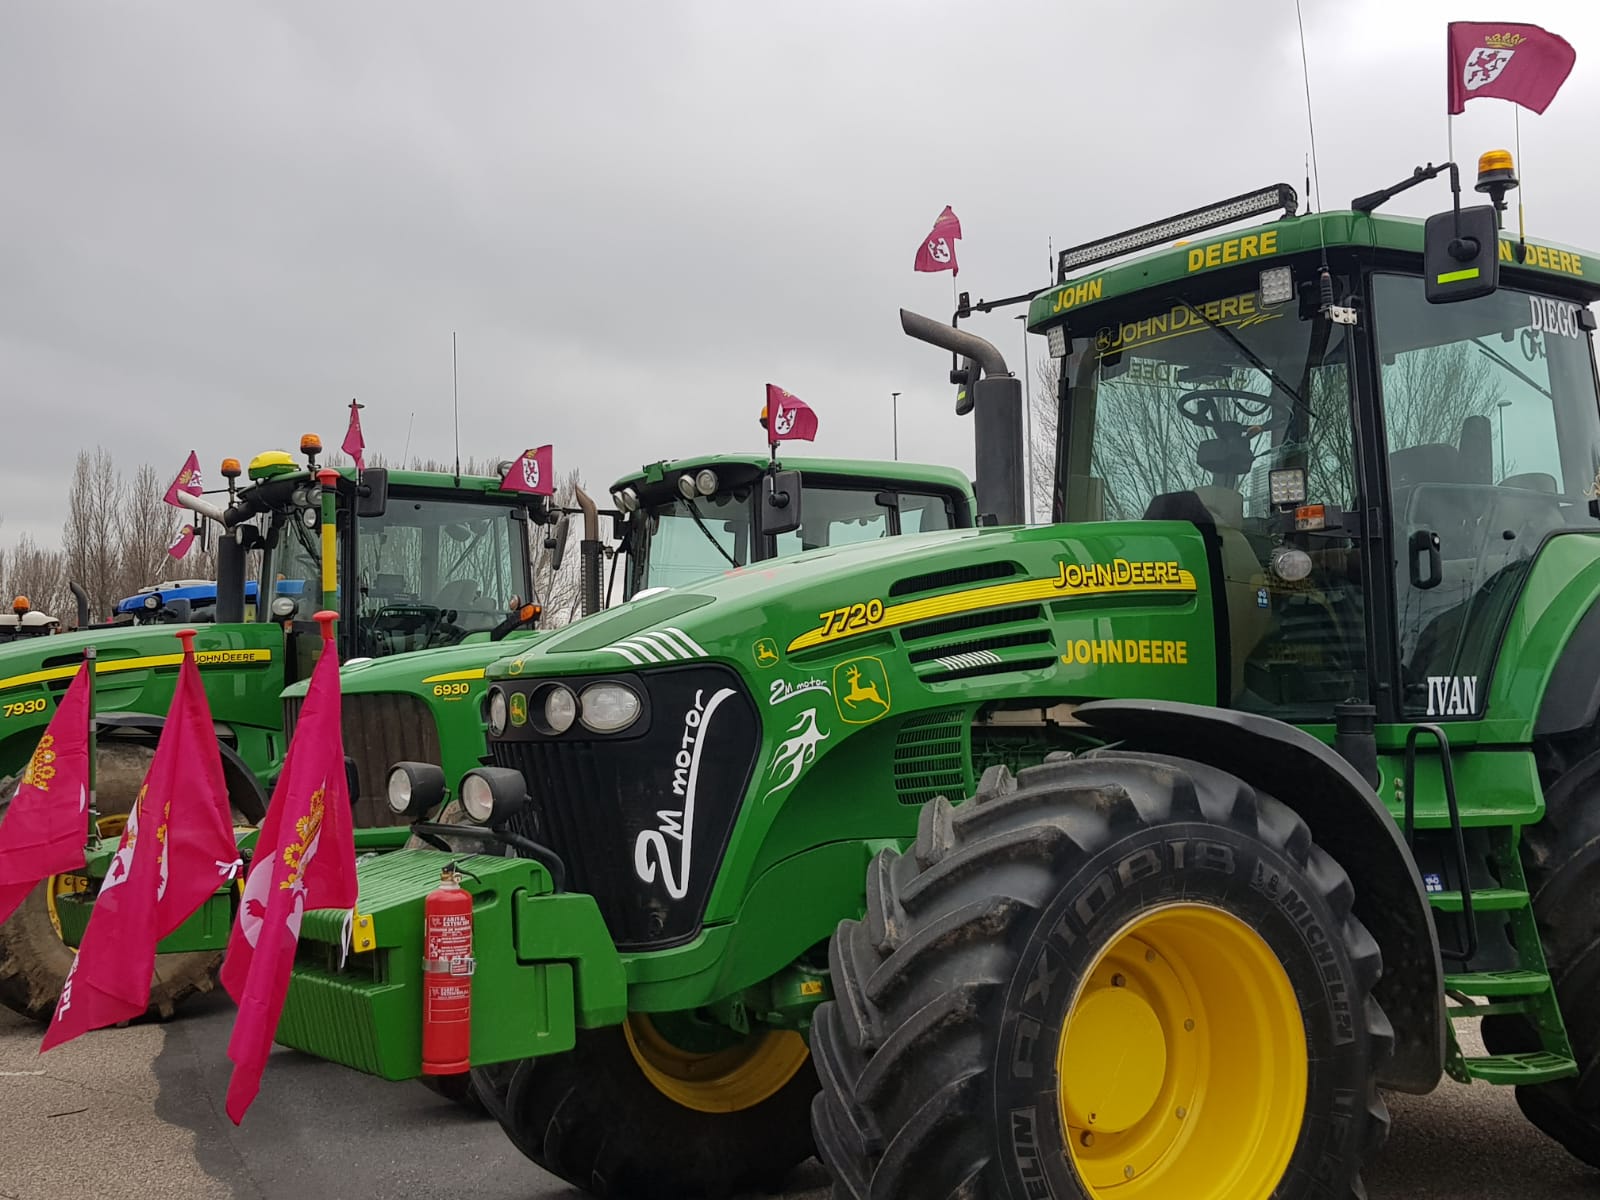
(30, 661)
(850, 598)
(408, 672)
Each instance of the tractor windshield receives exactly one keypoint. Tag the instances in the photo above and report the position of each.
(1178, 407)
(681, 541)
(429, 571)
(1493, 440)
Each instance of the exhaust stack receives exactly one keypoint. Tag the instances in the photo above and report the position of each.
(995, 395)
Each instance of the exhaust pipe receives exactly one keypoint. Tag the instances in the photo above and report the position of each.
(589, 554)
(82, 597)
(996, 396)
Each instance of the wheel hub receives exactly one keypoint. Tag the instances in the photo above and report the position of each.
(1119, 1061)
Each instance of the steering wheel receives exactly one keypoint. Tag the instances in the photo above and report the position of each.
(1200, 408)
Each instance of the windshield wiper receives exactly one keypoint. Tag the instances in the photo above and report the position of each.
(1505, 362)
(1255, 360)
(694, 511)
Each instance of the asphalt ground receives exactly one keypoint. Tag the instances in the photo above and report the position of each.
(136, 1114)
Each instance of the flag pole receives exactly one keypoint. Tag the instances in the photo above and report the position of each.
(94, 815)
(1516, 126)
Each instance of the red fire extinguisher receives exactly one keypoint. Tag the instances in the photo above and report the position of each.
(447, 966)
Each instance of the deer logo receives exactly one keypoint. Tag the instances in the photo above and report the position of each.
(766, 652)
(863, 695)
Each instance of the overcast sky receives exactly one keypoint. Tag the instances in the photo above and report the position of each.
(220, 221)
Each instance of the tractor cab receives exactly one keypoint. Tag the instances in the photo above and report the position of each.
(409, 560)
(1377, 423)
(685, 519)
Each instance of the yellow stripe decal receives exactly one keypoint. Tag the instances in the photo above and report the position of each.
(330, 565)
(452, 676)
(1072, 580)
(102, 666)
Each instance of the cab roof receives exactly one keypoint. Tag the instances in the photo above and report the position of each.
(1266, 243)
(889, 472)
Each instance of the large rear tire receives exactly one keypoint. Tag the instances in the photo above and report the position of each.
(1123, 976)
(1561, 858)
(34, 961)
(625, 1115)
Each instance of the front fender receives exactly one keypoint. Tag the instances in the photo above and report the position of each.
(1348, 821)
(244, 789)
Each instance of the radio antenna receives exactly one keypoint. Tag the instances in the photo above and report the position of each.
(455, 393)
(405, 455)
(1311, 127)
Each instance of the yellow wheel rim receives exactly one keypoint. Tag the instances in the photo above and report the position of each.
(1182, 1066)
(75, 882)
(723, 1081)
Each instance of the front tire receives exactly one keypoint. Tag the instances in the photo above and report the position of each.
(1124, 976)
(623, 1116)
(34, 961)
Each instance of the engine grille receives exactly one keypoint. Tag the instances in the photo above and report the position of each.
(380, 729)
(636, 825)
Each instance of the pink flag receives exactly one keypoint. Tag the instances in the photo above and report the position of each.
(533, 472)
(787, 418)
(938, 249)
(198, 852)
(188, 480)
(179, 546)
(1505, 61)
(155, 881)
(353, 444)
(305, 858)
(47, 821)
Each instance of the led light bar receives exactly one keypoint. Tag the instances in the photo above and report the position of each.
(1250, 204)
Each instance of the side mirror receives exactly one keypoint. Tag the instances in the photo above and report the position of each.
(779, 509)
(179, 610)
(372, 496)
(1461, 261)
(556, 543)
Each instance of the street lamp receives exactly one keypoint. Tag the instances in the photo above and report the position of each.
(894, 399)
(1027, 419)
(1502, 406)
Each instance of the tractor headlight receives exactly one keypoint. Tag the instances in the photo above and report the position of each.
(686, 486)
(560, 709)
(705, 482)
(609, 707)
(490, 795)
(497, 711)
(152, 602)
(1056, 336)
(414, 788)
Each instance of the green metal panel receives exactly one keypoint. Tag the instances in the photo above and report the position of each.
(367, 1013)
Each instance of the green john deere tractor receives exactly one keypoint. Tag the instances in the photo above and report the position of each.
(417, 560)
(676, 521)
(1123, 857)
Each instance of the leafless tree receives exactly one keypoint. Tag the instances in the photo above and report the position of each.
(147, 524)
(41, 576)
(91, 536)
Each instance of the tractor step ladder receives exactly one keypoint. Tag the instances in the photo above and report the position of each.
(1524, 991)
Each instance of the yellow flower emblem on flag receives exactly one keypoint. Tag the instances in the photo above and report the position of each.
(305, 829)
(41, 768)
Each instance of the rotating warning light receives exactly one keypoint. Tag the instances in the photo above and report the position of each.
(1496, 170)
